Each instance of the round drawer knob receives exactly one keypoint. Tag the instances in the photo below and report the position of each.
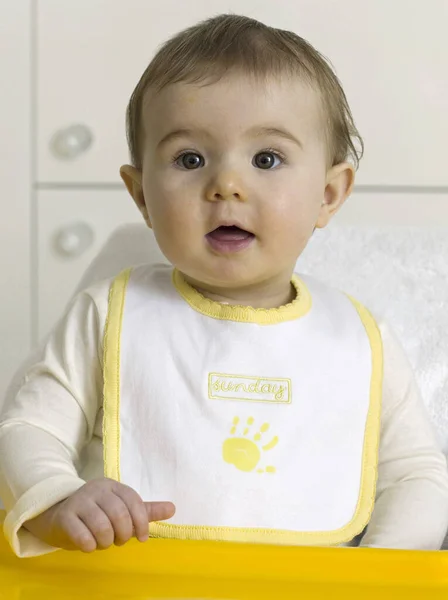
(75, 239)
(71, 142)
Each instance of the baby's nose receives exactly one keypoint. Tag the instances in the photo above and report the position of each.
(226, 185)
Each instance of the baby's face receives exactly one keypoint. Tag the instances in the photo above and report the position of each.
(234, 176)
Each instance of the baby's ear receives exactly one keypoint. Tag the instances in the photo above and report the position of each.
(338, 187)
(132, 179)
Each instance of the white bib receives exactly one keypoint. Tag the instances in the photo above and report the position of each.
(260, 425)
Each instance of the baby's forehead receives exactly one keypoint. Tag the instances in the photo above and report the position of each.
(234, 101)
(241, 88)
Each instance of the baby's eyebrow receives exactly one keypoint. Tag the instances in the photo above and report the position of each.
(253, 132)
(178, 134)
(275, 131)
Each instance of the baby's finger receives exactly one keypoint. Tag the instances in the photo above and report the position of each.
(159, 511)
(119, 516)
(136, 509)
(77, 536)
(98, 523)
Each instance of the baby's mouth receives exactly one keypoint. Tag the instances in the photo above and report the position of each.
(229, 238)
(231, 233)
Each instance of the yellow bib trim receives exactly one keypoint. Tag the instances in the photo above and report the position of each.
(111, 440)
(111, 376)
(299, 307)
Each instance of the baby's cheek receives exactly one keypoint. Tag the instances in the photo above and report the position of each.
(283, 218)
(290, 236)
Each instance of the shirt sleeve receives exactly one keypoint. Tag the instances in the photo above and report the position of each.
(411, 508)
(46, 425)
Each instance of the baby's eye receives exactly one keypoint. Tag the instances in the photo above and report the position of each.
(189, 160)
(267, 159)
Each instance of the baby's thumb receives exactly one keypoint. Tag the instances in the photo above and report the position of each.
(159, 511)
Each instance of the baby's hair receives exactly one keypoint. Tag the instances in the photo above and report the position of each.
(230, 43)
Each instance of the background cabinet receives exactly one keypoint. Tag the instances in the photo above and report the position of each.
(392, 58)
(70, 68)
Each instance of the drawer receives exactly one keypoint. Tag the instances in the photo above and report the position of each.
(392, 58)
(72, 227)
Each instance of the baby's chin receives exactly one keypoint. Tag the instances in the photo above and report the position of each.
(238, 271)
(226, 278)
(212, 280)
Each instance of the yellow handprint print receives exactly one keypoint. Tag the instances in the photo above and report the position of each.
(245, 453)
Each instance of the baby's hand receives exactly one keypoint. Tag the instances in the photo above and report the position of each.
(101, 513)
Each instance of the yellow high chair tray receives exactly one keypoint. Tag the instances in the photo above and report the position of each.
(188, 569)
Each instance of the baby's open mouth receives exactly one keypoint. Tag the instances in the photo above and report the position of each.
(229, 238)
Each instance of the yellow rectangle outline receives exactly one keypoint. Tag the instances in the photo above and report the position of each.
(270, 379)
(111, 442)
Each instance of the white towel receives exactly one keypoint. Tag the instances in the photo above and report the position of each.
(401, 274)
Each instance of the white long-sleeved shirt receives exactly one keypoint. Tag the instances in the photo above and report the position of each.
(51, 438)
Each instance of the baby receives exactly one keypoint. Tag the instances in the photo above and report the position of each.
(225, 397)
